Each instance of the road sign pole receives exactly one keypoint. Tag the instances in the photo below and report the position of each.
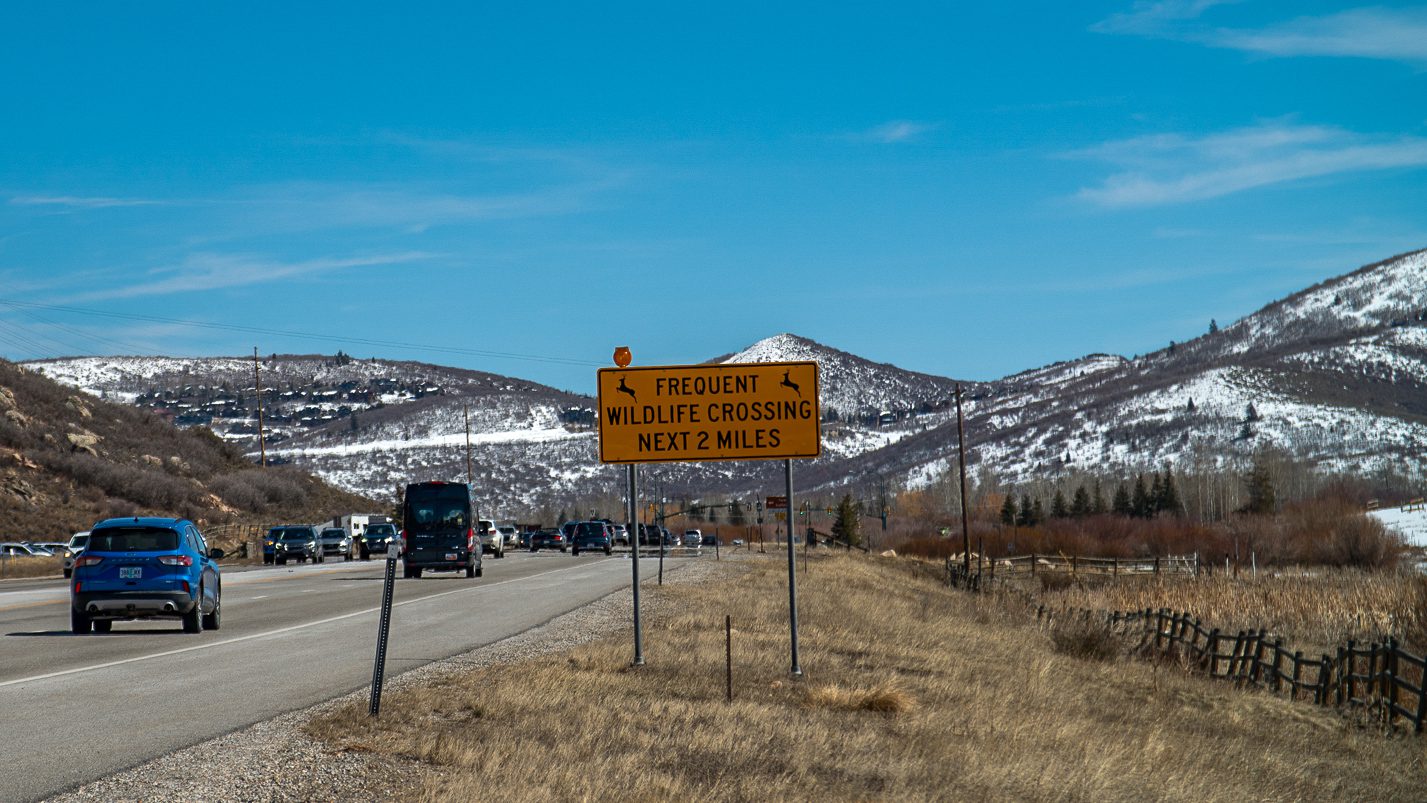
(634, 558)
(792, 571)
(383, 630)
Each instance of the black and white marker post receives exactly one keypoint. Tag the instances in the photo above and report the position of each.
(384, 628)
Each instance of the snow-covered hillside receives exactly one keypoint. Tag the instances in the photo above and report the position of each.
(1336, 375)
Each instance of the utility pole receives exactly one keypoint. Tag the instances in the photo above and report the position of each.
(258, 388)
(466, 410)
(965, 520)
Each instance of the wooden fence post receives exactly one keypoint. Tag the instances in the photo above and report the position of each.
(1156, 564)
(1348, 670)
(1297, 672)
(1390, 677)
(1277, 664)
(1212, 654)
(1342, 676)
(1033, 564)
(1325, 670)
(1254, 671)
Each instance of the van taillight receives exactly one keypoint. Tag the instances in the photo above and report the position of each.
(470, 539)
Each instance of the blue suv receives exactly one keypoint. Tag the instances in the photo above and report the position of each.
(146, 568)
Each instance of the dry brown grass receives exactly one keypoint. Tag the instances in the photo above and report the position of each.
(31, 567)
(912, 692)
(1315, 611)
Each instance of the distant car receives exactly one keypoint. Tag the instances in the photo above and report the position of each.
(298, 543)
(146, 568)
(509, 535)
(19, 550)
(621, 534)
(737, 542)
(648, 535)
(549, 539)
(590, 535)
(491, 540)
(77, 542)
(275, 534)
(710, 539)
(693, 538)
(376, 540)
(59, 548)
(525, 538)
(336, 541)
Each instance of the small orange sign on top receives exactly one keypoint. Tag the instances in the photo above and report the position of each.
(673, 413)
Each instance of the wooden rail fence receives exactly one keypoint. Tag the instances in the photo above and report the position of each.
(985, 569)
(1381, 678)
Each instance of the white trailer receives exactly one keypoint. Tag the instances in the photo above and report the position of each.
(356, 523)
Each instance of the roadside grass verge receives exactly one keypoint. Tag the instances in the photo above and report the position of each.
(31, 567)
(1316, 610)
(912, 692)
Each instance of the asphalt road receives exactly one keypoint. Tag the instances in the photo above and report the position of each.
(77, 708)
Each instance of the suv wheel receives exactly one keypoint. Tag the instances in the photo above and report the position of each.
(193, 620)
(608, 550)
(79, 622)
(470, 570)
(211, 621)
(416, 573)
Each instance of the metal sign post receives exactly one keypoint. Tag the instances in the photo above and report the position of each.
(792, 572)
(634, 557)
(384, 629)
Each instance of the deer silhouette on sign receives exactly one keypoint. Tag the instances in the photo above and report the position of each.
(788, 383)
(623, 388)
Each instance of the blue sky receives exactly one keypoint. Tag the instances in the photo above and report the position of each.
(964, 191)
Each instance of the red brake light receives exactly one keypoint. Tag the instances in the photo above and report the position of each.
(470, 539)
(175, 560)
(76, 586)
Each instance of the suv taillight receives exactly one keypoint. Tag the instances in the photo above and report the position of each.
(88, 560)
(175, 560)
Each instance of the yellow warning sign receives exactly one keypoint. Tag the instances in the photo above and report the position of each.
(675, 413)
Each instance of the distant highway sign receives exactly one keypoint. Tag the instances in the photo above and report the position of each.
(677, 413)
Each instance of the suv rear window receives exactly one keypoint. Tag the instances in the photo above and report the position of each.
(381, 529)
(133, 539)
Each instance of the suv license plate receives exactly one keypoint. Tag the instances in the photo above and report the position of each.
(451, 556)
(131, 572)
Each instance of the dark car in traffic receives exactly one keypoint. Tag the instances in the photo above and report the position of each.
(297, 542)
(376, 540)
(549, 539)
(592, 535)
(438, 532)
(146, 568)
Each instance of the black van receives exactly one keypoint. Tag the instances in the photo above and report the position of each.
(437, 532)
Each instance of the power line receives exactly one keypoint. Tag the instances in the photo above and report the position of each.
(228, 327)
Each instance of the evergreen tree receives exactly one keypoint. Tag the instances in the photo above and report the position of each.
(1008, 510)
(711, 514)
(1213, 326)
(1037, 512)
(1097, 503)
(1156, 492)
(1140, 499)
(1122, 505)
(1080, 505)
(1263, 497)
(1250, 414)
(846, 526)
(1058, 508)
(696, 511)
(735, 514)
(1171, 347)
(1027, 515)
(1191, 404)
(1169, 495)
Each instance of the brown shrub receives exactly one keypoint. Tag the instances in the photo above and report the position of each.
(1091, 639)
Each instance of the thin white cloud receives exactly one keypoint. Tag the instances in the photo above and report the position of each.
(1368, 32)
(1373, 33)
(205, 272)
(894, 131)
(1177, 168)
(81, 202)
(1155, 18)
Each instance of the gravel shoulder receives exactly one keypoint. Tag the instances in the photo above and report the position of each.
(276, 761)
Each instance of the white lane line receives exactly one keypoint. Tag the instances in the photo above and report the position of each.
(277, 632)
